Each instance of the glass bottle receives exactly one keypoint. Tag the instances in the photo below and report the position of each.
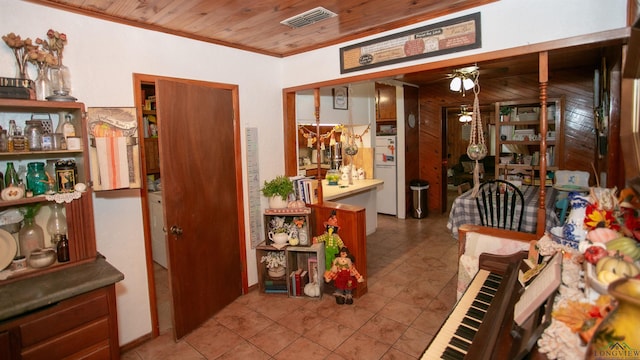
(33, 133)
(10, 134)
(63, 249)
(57, 223)
(37, 180)
(31, 236)
(42, 82)
(4, 141)
(11, 176)
(67, 127)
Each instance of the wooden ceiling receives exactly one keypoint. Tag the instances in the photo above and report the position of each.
(255, 25)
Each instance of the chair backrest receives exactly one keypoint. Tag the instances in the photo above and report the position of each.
(500, 205)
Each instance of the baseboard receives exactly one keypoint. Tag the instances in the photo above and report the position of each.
(135, 343)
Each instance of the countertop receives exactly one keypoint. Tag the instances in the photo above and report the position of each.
(334, 192)
(30, 294)
(313, 166)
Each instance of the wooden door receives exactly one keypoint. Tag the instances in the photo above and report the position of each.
(201, 196)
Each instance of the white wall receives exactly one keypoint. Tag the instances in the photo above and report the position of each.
(102, 57)
(505, 24)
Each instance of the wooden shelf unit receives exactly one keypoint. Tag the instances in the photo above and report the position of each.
(512, 137)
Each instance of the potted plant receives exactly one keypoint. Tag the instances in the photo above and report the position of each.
(278, 191)
(275, 263)
(505, 113)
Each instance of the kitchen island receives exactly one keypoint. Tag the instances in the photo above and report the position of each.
(361, 193)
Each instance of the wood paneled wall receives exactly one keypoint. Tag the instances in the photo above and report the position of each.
(580, 145)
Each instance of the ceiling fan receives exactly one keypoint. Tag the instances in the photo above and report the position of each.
(463, 79)
(464, 116)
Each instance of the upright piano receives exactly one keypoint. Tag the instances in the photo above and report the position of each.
(481, 324)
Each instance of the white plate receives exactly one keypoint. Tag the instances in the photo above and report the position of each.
(8, 248)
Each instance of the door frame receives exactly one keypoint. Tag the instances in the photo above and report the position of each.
(138, 80)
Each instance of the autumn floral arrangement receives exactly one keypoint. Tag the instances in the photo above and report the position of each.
(47, 52)
(21, 49)
(610, 251)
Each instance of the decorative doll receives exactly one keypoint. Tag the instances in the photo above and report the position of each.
(345, 277)
(331, 239)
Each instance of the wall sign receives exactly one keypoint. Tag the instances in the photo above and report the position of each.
(445, 37)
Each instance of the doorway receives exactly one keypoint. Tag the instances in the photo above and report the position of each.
(195, 175)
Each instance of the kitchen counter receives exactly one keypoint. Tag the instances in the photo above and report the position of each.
(30, 294)
(362, 193)
(335, 192)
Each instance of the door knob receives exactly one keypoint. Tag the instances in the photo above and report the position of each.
(176, 230)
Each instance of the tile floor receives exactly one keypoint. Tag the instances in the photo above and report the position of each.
(411, 279)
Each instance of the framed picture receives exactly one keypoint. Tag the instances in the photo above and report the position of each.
(341, 98)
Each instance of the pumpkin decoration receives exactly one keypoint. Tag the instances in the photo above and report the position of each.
(611, 268)
(296, 204)
(602, 235)
(12, 192)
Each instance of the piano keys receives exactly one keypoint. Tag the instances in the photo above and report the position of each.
(476, 322)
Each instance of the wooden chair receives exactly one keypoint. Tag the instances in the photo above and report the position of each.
(498, 204)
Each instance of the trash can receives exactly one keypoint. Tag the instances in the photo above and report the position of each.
(419, 198)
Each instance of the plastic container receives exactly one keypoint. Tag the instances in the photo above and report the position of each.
(419, 198)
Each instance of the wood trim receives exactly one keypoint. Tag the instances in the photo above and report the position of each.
(501, 233)
(603, 38)
(138, 80)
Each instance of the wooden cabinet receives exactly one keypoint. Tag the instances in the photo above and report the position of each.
(518, 136)
(385, 103)
(84, 326)
(79, 212)
(150, 129)
(152, 155)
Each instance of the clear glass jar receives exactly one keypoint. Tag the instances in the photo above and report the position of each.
(33, 133)
(37, 180)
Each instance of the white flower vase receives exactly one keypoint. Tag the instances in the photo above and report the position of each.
(277, 202)
(573, 229)
(276, 272)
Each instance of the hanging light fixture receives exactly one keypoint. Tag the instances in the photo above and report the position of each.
(464, 116)
(463, 79)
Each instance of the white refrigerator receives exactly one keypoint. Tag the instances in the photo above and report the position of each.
(385, 170)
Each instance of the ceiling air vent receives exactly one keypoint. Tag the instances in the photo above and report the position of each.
(308, 17)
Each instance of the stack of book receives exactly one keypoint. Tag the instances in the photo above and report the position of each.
(305, 189)
(299, 279)
(275, 286)
(13, 88)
